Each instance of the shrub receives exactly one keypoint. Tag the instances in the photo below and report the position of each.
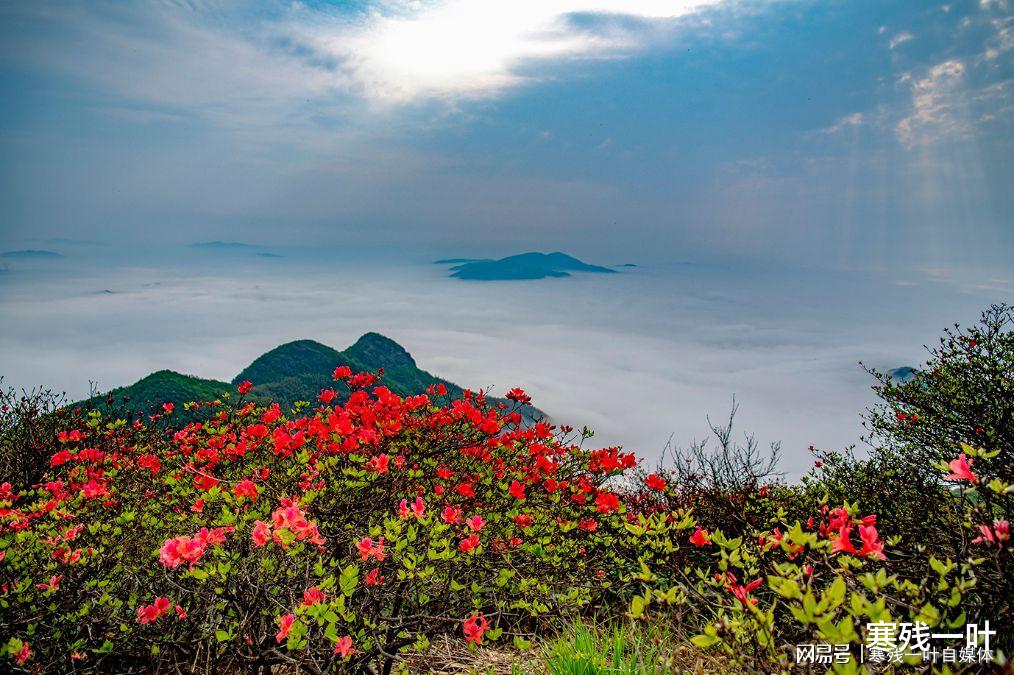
(339, 538)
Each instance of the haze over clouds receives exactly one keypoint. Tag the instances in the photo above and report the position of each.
(838, 173)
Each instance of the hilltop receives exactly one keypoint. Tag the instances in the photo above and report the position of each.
(292, 372)
(521, 266)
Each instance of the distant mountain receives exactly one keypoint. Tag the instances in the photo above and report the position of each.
(903, 374)
(270, 255)
(524, 266)
(292, 372)
(31, 254)
(229, 245)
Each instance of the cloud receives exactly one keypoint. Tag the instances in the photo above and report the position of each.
(472, 48)
(937, 109)
(900, 38)
(846, 122)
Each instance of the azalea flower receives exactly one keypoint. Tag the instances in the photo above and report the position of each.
(284, 626)
(246, 488)
(451, 515)
(261, 533)
(517, 490)
(469, 543)
(475, 523)
(374, 578)
(245, 387)
(655, 482)
(606, 502)
(312, 596)
(474, 627)
(154, 611)
(23, 654)
(367, 549)
(871, 543)
(343, 647)
(54, 583)
(961, 469)
(700, 537)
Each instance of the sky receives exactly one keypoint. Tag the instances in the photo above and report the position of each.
(802, 185)
(851, 135)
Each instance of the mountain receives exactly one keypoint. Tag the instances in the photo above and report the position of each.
(31, 254)
(524, 266)
(164, 386)
(226, 245)
(292, 372)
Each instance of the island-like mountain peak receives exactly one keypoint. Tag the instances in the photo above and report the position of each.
(379, 351)
(531, 265)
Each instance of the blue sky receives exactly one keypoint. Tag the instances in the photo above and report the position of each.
(849, 134)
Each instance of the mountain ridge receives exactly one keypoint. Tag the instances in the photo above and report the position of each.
(289, 373)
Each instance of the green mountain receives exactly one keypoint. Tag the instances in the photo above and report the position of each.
(292, 372)
(524, 266)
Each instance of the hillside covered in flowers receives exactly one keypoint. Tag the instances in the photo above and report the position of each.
(354, 533)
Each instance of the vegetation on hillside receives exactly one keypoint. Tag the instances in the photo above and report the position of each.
(351, 535)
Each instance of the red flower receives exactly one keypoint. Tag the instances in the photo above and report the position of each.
(374, 578)
(261, 533)
(961, 469)
(168, 408)
(327, 396)
(154, 611)
(655, 483)
(606, 502)
(245, 387)
(343, 646)
(378, 464)
(451, 515)
(474, 627)
(342, 372)
(517, 490)
(23, 654)
(871, 542)
(519, 395)
(475, 523)
(469, 544)
(54, 583)
(367, 549)
(312, 596)
(700, 537)
(284, 626)
(246, 488)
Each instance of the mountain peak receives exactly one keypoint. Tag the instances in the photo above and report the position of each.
(379, 351)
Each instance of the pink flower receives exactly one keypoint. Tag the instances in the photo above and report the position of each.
(93, 489)
(378, 464)
(261, 533)
(154, 611)
(54, 583)
(451, 515)
(843, 542)
(474, 627)
(343, 647)
(475, 523)
(284, 626)
(871, 542)
(403, 511)
(961, 469)
(367, 549)
(246, 488)
(700, 537)
(179, 550)
(23, 654)
(469, 544)
(418, 508)
(312, 596)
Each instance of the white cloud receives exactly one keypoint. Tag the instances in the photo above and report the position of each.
(937, 106)
(899, 39)
(846, 122)
(472, 48)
